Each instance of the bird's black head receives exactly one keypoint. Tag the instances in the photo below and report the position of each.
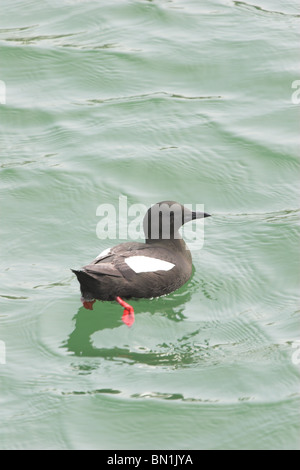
(164, 219)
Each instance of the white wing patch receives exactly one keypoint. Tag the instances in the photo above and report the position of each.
(145, 264)
(104, 253)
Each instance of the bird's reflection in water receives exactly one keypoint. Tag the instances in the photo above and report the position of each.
(108, 316)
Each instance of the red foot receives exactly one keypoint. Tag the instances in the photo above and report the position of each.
(128, 315)
(88, 304)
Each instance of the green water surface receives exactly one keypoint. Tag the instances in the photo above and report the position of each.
(185, 100)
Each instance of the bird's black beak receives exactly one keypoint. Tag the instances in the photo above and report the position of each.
(189, 215)
(199, 215)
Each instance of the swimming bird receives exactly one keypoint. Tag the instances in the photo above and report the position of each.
(155, 268)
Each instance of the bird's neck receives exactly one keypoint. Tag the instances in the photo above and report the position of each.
(172, 243)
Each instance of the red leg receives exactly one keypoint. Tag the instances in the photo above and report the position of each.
(88, 304)
(128, 315)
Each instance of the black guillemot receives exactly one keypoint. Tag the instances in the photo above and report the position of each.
(142, 270)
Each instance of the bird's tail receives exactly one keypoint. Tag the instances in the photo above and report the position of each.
(87, 284)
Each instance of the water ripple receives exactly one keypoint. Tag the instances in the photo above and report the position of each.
(250, 6)
(29, 40)
(155, 95)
